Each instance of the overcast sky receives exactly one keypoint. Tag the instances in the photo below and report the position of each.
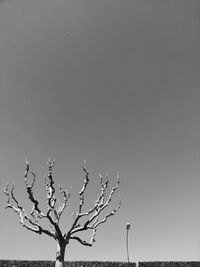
(115, 83)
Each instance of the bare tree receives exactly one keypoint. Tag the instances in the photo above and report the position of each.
(54, 211)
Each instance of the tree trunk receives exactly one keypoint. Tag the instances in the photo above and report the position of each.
(60, 254)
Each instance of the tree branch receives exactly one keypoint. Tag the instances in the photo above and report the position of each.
(99, 207)
(93, 222)
(29, 187)
(50, 187)
(85, 184)
(100, 200)
(81, 241)
(66, 196)
(24, 219)
(51, 201)
(78, 215)
(95, 225)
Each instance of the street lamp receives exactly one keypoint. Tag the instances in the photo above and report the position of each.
(128, 226)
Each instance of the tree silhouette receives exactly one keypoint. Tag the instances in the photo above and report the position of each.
(54, 211)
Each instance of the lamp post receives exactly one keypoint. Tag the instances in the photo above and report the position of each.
(128, 226)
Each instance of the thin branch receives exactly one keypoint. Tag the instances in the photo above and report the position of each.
(111, 194)
(51, 201)
(85, 184)
(79, 214)
(93, 222)
(95, 225)
(24, 219)
(100, 200)
(50, 197)
(104, 186)
(50, 186)
(29, 189)
(81, 241)
(66, 196)
(101, 206)
(93, 236)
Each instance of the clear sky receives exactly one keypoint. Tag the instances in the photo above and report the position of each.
(115, 83)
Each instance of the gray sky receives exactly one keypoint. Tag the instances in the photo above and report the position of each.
(116, 83)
